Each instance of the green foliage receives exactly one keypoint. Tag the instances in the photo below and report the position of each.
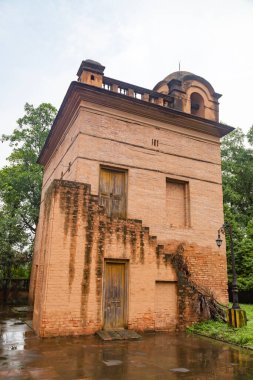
(22, 271)
(220, 330)
(14, 239)
(245, 259)
(237, 168)
(20, 181)
(20, 186)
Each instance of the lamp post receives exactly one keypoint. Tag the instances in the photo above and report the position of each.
(236, 316)
(227, 228)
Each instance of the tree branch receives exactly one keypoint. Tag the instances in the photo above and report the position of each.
(28, 224)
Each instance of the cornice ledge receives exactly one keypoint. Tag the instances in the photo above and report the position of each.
(78, 92)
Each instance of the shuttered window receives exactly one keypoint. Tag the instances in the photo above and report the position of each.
(112, 192)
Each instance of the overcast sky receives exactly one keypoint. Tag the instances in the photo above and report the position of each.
(139, 41)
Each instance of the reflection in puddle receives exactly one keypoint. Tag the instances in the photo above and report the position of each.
(157, 356)
(182, 370)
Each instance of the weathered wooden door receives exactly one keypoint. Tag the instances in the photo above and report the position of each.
(112, 192)
(115, 295)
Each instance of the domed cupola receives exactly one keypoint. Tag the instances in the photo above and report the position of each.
(191, 93)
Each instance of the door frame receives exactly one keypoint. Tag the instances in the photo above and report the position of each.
(125, 306)
(119, 170)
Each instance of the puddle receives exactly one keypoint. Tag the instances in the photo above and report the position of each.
(156, 356)
(181, 370)
(109, 363)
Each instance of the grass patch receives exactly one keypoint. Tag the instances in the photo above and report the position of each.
(220, 330)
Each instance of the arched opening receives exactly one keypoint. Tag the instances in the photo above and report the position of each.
(197, 105)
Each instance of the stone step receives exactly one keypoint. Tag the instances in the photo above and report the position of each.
(118, 334)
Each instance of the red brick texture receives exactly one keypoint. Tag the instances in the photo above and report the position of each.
(75, 239)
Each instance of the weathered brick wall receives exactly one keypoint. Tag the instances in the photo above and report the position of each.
(207, 267)
(76, 239)
(198, 269)
(102, 136)
(68, 298)
(116, 139)
(73, 229)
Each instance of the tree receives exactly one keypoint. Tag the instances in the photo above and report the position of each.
(20, 186)
(237, 168)
(245, 259)
(14, 253)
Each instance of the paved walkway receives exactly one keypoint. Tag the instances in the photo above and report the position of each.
(155, 356)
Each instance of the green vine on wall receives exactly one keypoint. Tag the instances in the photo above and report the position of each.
(203, 302)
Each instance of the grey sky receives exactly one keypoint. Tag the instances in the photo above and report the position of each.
(43, 43)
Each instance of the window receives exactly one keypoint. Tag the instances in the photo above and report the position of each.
(177, 203)
(197, 105)
(112, 191)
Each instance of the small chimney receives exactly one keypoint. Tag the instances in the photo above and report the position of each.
(176, 90)
(91, 72)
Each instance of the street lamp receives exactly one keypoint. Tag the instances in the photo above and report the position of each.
(236, 316)
(227, 228)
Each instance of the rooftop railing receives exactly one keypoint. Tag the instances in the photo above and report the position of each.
(137, 92)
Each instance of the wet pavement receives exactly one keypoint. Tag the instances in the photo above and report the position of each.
(156, 356)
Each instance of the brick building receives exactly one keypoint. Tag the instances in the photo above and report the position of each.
(132, 178)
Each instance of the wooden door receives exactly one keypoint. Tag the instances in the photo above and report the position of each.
(112, 192)
(115, 295)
